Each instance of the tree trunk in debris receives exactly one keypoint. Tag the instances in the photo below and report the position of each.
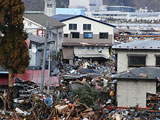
(10, 89)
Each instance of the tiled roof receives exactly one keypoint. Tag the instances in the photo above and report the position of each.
(42, 19)
(60, 17)
(139, 45)
(146, 73)
(35, 39)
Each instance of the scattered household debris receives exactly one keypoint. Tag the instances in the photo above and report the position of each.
(85, 93)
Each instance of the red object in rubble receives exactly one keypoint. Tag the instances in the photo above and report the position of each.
(33, 76)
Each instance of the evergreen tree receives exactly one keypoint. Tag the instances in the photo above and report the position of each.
(13, 49)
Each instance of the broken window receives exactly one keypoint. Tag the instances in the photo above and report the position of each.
(74, 34)
(86, 26)
(136, 60)
(158, 61)
(103, 35)
(88, 35)
(72, 26)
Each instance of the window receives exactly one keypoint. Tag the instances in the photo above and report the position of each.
(86, 26)
(158, 61)
(72, 26)
(136, 60)
(103, 35)
(66, 35)
(92, 4)
(49, 5)
(74, 34)
(88, 35)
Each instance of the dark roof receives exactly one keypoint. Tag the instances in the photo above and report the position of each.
(42, 19)
(40, 41)
(35, 39)
(60, 17)
(87, 44)
(147, 73)
(76, 16)
(139, 45)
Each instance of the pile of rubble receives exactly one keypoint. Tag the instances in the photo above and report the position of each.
(86, 92)
(40, 107)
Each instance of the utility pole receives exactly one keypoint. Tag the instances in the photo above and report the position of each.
(49, 72)
(44, 59)
(57, 38)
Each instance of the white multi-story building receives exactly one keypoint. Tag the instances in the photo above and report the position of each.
(124, 13)
(89, 5)
(86, 38)
(96, 9)
(50, 7)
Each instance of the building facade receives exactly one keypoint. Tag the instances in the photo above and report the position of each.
(133, 86)
(85, 37)
(118, 8)
(35, 23)
(70, 11)
(89, 5)
(137, 53)
(50, 7)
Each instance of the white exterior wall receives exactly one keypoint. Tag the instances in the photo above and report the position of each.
(32, 56)
(88, 52)
(95, 26)
(86, 4)
(78, 3)
(31, 27)
(60, 41)
(131, 92)
(122, 60)
(50, 11)
(126, 15)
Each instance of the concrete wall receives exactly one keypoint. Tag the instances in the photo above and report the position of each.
(68, 53)
(59, 39)
(35, 57)
(32, 56)
(122, 60)
(96, 28)
(131, 92)
(32, 27)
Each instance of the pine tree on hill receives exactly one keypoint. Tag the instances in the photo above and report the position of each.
(14, 54)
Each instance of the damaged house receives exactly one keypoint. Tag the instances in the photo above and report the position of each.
(133, 86)
(35, 23)
(85, 37)
(138, 71)
(137, 53)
